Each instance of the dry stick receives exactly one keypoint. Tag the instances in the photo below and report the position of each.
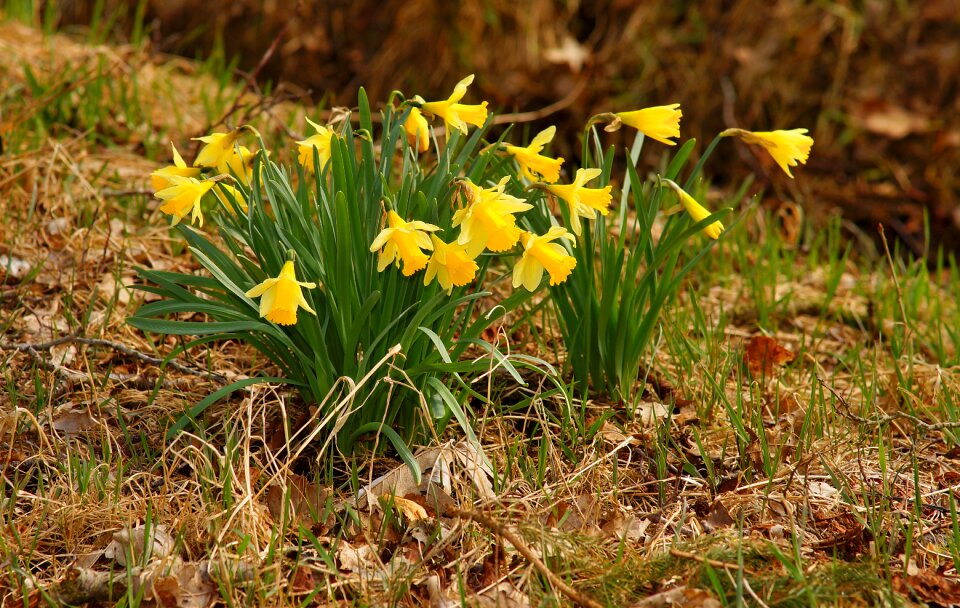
(886, 418)
(251, 79)
(515, 540)
(711, 562)
(121, 348)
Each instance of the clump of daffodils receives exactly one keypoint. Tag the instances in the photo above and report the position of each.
(354, 245)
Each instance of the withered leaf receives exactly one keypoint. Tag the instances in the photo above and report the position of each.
(763, 353)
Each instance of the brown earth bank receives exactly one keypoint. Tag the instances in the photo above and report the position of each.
(876, 82)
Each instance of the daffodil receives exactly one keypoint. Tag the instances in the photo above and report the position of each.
(659, 122)
(539, 254)
(183, 196)
(403, 241)
(488, 219)
(450, 264)
(534, 165)
(231, 197)
(456, 115)
(281, 296)
(218, 149)
(788, 148)
(418, 131)
(321, 141)
(583, 202)
(697, 211)
(160, 178)
(238, 161)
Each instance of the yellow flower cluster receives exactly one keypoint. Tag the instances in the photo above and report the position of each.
(180, 188)
(487, 220)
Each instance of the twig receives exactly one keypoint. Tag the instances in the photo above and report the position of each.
(130, 192)
(514, 539)
(886, 418)
(251, 79)
(706, 560)
(544, 111)
(121, 348)
(138, 381)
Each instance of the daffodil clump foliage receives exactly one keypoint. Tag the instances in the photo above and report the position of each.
(367, 268)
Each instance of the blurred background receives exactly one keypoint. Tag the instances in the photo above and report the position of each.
(875, 81)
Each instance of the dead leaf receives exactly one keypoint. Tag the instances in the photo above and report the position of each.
(651, 413)
(569, 52)
(437, 598)
(302, 581)
(197, 589)
(410, 510)
(12, 267)
(504, 595)
(356, 558)
(307, 500)
(131, 546)
(627, 527)
(892, 121)
(679, 596)
(72, 422)
(719, 516)
(763, 353)
(929, 588)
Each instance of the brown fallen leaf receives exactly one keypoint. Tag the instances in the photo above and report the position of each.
(763, 353)
(307, 500)
(410, 510)
(131, 545)
(928, 587)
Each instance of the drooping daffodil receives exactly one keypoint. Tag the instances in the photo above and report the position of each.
(403, 241)
(582, 202)
(787, 147)
(450, 265)
(488, 220)
(281, 296)
(160, 178)
(658, 122)
(541, 253)
(697, 211)
(321, 141)
(183, 197)
(456, 115)
(418, 130)
(533, 165)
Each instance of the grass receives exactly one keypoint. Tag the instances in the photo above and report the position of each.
(830, 480)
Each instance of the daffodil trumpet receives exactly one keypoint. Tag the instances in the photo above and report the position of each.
(698, 213)
(788, 148)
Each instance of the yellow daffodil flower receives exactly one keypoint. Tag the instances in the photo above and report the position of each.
(450, 264)
(160, 178)
(788, 148)
(659, 122)
(457, 115)
(321, 141)
(224, 192)
(281, 296)
(583, 202)
(540, 254)
(488, 221)
(533, 165)
(697, 211)
(403, 241)
(418, 131)
(183, 197)
(238, 161)
(218, 149)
